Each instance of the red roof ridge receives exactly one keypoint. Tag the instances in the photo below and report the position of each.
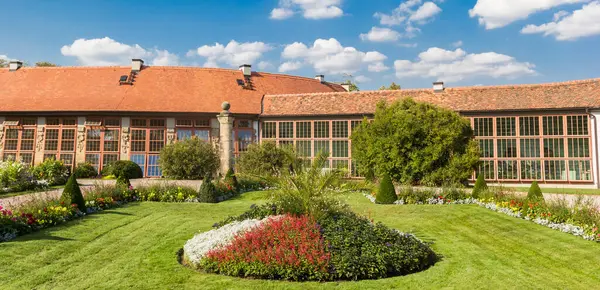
(418, 90)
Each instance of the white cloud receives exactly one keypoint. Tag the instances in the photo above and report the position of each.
(164, 58)
(380, 34)
(290, 66)
(581, 23)
(233, 54)
(377, 67)
(329, 56)
(495, 14)
(447, 65)
(310, 9)
(104, 51)
(281, 13)
(362, 79)
(265, 65)
(410, 14)
(458, 43)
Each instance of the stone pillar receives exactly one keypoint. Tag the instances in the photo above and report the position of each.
(80, 150)
(39, 141)
(125, 138)
(225, 140)
(2, 119)
(171, 131)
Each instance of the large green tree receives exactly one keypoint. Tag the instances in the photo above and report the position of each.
(392, 87)
(45, 64)
(416, 143)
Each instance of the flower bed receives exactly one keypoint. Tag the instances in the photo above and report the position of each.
(579, 220)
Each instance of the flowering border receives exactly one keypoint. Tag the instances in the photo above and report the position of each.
(491, 205)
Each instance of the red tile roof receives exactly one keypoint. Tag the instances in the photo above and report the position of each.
(552, 96)
(156, 89)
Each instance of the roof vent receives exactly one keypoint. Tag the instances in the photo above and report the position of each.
(346, 86)
(246, 70)
(320, 78)
(137, 64)
(14, 65)
(438, 87)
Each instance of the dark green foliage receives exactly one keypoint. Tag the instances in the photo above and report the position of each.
(53, 171)
(255, 212)
(123, 182)
(266, 159)
(124, 168)
(165, 192)
(535, 192)
(416, 143)
(208, 193)
(453, 193)
(85, 170)
(189, 159)
(72, 194)
(231, 179)
(362, 250)
(480, 186)
(386, 193)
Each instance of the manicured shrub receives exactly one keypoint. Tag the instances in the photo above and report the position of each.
(363, 250)
(85, 170)
(16, 176)
(53, 171)
(72, 194)
(123, 168)
(266, 159)
(189, 159)
(231, 179)
(208, 193)
(165, 192)
(480, 186)
(288, 248)
(416, 143)
(535, 192)
(386, 193)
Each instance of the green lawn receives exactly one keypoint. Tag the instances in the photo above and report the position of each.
(135, 247)
(582, 191)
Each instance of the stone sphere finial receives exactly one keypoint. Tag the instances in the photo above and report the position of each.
(225, 106)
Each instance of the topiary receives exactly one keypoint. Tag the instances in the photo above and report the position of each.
(124, 168)
(387, 192)
(85, 170)
(535, 192)
(52, 170)
(231, 179)
(208, 193)
(480, 186)
(189, 159)
(72, 194)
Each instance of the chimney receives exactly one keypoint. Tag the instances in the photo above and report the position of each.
(438, 87)
(137, 64)
(246, 70)
(320, 78)
(346, 86)
(14, 65)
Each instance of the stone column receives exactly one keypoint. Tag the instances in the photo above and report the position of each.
(225, 140)
(125, 138)
(2, 119)
(39, 141)
(80, 150)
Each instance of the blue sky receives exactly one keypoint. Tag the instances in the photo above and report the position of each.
(412, 42)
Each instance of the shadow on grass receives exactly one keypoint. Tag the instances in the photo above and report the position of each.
(38, 236)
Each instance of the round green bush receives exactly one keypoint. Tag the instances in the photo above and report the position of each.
(266, 159)
(535, 192)
(72, 194)
(480, 187)
(53, 171)
(123, 168)
(386, 193)
(189, 159)
(85, 170)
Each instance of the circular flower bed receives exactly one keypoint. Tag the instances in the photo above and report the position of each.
(336, 246)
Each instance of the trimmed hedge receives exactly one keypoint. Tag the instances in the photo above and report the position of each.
(72, 194)
(480, 186)
(535, 192)
(124, 168)
(85, 170)
(208, 192)
(387, 192)
(189, 159)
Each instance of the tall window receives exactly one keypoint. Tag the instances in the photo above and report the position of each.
(188, 128)
(102, 141)
(148, 137)
(19, 139)
(59, 139)
(553, 148)
(243, 135)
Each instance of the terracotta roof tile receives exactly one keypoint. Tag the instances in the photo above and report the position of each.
(565, 95)
(156, 89)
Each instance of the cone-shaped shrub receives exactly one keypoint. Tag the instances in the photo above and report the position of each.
(232, 180)
(72, 194)
(207, 193)
(387, 192)
(535, 192)
(480, 186)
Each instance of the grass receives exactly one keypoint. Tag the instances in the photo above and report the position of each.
(581, 191)
(135, 247)
(11, 194)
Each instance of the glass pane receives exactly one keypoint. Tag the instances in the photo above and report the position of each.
(27, 138)
(286, 129)
(577, 125)
(579, 147)
(507, 169)
(153, 168)
(202, 135)
(555, 170)
(139, 159)
(483, 126)
(304, 148)
(107, 159)
(340, 129)
(507, 148)
(321, 146)
(554, 148)
(487, 168)
(340, 164)
(51, 143)
(530, 148)
(245, 138)
(506, 126)
(553, 125)
(157, 140)
(269, 130)
(26, 157)
(354, 124)
(529, 126)
(322, 129)
(93, 159)
(67, 159)
(531, 169)
(184, 134)
(486, 148)
(303, 130)
(580, 170)
(340, 149)
(68, 140)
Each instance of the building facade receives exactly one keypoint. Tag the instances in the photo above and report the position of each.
(544, 132)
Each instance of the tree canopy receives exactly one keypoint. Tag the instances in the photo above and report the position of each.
(393, 87)
(45, 64)
(416, 143)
